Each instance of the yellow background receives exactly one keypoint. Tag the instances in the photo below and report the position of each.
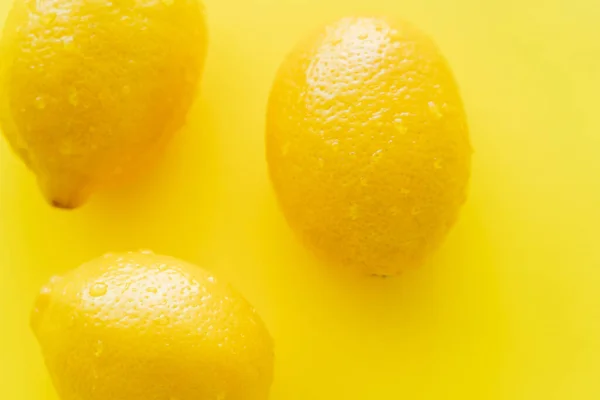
(508, 309)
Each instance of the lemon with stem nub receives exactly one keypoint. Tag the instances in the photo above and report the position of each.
(367, 144)
(91, 91)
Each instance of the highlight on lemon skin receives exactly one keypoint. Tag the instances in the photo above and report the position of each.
(138, 326)
(92, 91)
(367, 144)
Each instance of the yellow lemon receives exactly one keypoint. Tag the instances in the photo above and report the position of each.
(367, 144)
(90, 91)
(139, 326)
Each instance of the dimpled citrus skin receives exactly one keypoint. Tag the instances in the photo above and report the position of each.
(139, 326)
(367, 144)
(91, 90)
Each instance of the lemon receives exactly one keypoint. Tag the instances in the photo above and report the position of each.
(91, 90)
(139, 326)
(367, 144)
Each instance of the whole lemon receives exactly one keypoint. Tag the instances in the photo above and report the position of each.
(139, 326)
(90, 90)
(367, 144)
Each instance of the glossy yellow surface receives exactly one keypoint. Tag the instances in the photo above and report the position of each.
(141, 326)
(367, 145)
(509, 308)
(91, 92)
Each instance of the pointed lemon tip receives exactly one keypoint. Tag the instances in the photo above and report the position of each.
(63, 205)
(65, 192)
(41, 303)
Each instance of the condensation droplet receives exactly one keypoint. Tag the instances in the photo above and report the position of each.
(377, 155)
(152, 290)
(48, 18)
(335, 144)
(437, 164)
(99, 289)
(404, 192)
(416, 210)
(285, 149)
(400, 127)
(162, 320)
(435, 110)
(68, 43)
(126, 89)
(363, 36)
(98, 348)
(211, 279)
(40, 103)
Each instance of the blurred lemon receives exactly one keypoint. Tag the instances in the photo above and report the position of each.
(90, 91)
(139, 326)
(367, 144)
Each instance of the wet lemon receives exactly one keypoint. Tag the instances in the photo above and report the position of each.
(139, 326)
(90, 91)
(367, 144)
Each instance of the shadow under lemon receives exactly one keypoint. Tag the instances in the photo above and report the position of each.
(445, 315)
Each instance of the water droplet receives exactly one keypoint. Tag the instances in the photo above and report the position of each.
(40, 103)
(152, 290)
(363, 181)
(363, 36)
(335, 144)
(394, 211)
(435, 110)
(437, 164)
(400, 127)
(99, 289)
(162, 320)
(211, 279)
(336, 41)
(73, 97)
(285, 149)
(126, 89)
(48, 18)
(68, 43)
(321, 163)
(404, 192)
(146, 252)
(168, 3)
(377, 155)
(98, 348)
(415, 210)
